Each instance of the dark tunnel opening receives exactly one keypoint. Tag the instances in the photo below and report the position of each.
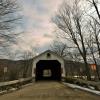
(48, 70)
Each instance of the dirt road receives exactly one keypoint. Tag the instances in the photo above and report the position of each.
(49, 91)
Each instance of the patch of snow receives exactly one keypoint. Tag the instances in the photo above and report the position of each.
(82, 88)
(91, 87)
(3, 92)
(13, 89)
(29, 84)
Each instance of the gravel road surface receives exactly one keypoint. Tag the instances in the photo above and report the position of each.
(49, 91)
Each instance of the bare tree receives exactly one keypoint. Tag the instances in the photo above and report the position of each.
(91, 47)
(65, 51)
(8, 21)
(94, 3)
(26, 57)
(70, 20)
(59, 48)
(95, 22)
(94, 30)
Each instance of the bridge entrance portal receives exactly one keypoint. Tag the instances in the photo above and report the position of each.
(48, 70)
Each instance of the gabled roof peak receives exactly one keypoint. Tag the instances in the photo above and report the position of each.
(49, 51)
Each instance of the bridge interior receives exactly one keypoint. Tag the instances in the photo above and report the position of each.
(48, 70)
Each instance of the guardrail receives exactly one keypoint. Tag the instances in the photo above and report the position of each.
(14, 84)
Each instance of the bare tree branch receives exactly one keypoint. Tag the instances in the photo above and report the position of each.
(69, 19)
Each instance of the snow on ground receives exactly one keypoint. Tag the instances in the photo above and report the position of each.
(82, 88)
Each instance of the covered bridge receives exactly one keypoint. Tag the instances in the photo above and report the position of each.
(48, 65)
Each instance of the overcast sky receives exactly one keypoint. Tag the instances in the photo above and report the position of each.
(37, 22)
(37, 27)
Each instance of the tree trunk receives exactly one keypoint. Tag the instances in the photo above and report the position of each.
(87, 69)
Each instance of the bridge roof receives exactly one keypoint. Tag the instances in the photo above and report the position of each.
(49, 51)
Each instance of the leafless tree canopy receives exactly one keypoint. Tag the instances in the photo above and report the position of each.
(70, 20)
(82, 26)
(59, 48)
(8, 21)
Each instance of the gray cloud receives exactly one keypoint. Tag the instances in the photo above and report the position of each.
(38, 15)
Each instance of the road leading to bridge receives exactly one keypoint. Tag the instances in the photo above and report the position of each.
(49, 91)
